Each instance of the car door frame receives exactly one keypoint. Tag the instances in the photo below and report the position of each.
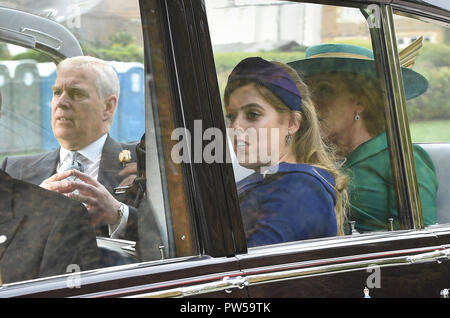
(215, 209)
(283, 270)
(311, 261)
(38, 33)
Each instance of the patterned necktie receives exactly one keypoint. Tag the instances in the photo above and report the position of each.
(72, 162)
(76, 162)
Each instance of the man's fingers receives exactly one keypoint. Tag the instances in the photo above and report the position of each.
(86, 178)
(90, 201)
(84, 187)
(58, 176)
(58, 186)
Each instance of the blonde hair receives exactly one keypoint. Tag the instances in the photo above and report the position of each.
(307, 143)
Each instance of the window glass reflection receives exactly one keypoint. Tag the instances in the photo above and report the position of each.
(333, 56)
(80, 143)
(424, 46)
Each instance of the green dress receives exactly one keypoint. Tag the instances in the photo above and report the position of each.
(372, 191)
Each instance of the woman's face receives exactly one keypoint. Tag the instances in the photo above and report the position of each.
(336, 107)
(258, 132)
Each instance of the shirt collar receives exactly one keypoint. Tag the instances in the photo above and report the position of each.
(92, 151)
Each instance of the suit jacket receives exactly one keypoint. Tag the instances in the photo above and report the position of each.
(45, 232)
(36, 168)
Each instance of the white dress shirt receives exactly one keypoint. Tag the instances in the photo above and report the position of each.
(90, 159)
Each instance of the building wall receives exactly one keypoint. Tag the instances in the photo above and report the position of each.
(245, 23)
(340, 23)
(120, 16)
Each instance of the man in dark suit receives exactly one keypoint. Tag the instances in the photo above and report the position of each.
(85, 97)
(42, 233)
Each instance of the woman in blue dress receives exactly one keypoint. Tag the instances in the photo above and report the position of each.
(296, 191)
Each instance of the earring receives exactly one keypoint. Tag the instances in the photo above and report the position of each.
(288, 138)
(357, 117)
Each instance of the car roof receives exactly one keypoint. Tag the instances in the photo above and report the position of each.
(441, 4)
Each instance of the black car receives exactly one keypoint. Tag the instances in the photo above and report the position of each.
(173, 58)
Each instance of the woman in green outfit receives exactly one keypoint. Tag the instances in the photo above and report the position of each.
(349, 99)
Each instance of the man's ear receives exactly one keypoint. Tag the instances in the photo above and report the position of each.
(110, 107)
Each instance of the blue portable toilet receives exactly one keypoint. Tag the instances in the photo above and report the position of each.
(24, 111)
(47, 73)
(6, 129)
(129, 120)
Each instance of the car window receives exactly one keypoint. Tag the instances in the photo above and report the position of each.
(429, 113)
(330, 48)
(130, 161)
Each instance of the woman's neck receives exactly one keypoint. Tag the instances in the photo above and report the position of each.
(351, 140)
(287, 157)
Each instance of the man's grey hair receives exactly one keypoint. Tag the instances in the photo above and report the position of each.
(107, 81)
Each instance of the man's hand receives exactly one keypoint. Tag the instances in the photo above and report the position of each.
(57, 182)
(102, 206)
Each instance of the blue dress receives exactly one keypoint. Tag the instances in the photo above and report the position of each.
(294, 202)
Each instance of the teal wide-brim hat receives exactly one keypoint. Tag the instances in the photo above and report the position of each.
(325, 58)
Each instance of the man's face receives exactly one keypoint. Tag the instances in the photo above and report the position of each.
(79, 117)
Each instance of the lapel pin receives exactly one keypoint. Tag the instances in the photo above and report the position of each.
(125, 157)
(2, 239)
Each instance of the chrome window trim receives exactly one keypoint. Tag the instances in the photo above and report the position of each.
(410, 11)
(397, 131)
(438, 255)
(404, 134)
(253, 277)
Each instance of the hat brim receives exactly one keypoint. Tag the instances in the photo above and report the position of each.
(415, 84)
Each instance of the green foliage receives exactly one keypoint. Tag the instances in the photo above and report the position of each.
(225, 62)
(433, 63)
(122, 47)
(122, 38)
(117, 52)
(32, 55)
(434, 55)
(435, 102)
